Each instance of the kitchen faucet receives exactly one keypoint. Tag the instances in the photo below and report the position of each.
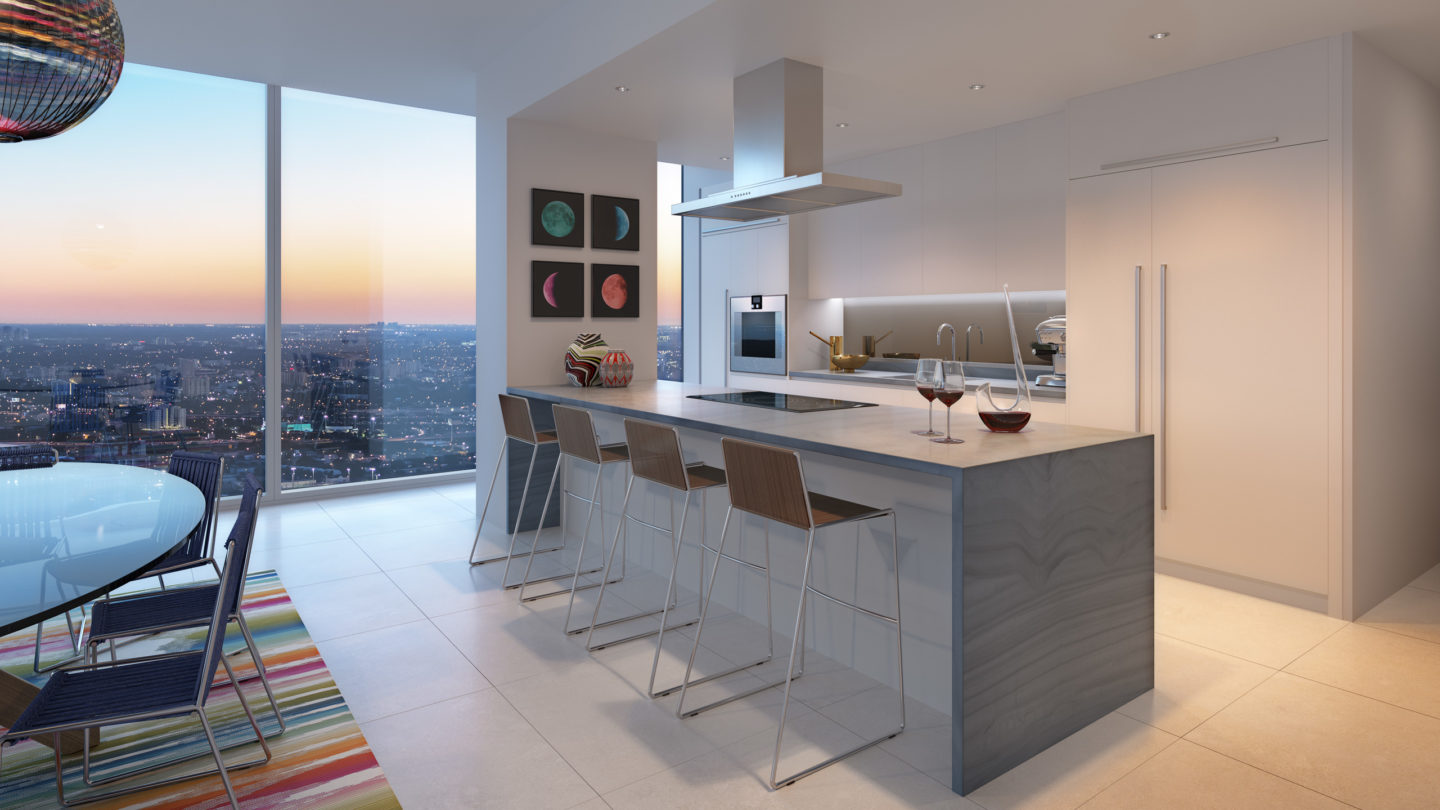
(941, 330)
(967, 338)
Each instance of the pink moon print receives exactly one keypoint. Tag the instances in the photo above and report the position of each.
(550, 290)
(614, 291)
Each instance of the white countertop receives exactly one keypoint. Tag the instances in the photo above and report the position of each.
(879, 434)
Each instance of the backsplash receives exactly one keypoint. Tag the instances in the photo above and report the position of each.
(915, 319)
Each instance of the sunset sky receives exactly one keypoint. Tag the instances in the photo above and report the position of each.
(667, 247)
(152, 211)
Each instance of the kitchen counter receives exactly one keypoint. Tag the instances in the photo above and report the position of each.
(901, 379)
(1026, 560)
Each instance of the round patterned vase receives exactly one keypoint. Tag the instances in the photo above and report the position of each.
(582, 359)
(616, 370)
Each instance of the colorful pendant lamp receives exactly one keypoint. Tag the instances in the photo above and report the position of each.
(59, 61)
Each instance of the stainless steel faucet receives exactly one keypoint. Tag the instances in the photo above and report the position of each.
(941, 331)
(967, 338)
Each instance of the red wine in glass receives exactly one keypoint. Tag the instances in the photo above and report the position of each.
(927, 376)
(948, 398)
(1005, 421)
(948, 389)
(926, 391)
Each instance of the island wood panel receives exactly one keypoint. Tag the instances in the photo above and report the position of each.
(1054, 600)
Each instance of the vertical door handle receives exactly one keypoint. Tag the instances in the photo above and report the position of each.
(1137, 348)
(1164, 450)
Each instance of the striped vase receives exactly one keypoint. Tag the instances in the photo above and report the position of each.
(616, 370)
(582, 359)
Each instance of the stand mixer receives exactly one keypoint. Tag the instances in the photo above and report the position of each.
(1052, 331)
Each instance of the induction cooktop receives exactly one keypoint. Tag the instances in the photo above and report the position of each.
(794, 403)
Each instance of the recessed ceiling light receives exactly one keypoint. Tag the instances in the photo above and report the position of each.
(1160, 35)
(620, 88)
(724, 157)
(977, 87)
(842, 125)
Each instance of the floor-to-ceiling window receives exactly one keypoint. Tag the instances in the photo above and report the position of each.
(670, 356)
(132, 277)
(134, 297)
(378, 290)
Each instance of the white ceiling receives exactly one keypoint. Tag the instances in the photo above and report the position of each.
(897, 71)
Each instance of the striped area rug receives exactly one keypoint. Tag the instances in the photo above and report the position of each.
(321, 762)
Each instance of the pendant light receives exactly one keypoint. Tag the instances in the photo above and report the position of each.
(59, 61)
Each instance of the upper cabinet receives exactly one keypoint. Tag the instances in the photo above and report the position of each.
(1276, 98)
(978, 210)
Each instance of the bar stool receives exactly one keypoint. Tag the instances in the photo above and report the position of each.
(768, 482)
(575, 430)
(655, 456)
(515, 414)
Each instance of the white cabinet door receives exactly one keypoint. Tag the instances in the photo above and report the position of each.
(836, 239)
(1282, 94)
(892, 247)
(1243, 468)
(1030, 184)
(959, 214)
(1107, 238)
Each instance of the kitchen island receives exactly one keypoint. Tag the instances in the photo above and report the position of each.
(1027, 559)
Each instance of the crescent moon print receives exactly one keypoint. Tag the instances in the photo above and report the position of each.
(614, 291)
(557, 290)
(614, 223)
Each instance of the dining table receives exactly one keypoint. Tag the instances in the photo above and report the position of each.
(71, 533)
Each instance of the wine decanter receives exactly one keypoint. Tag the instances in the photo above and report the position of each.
(1006, 418)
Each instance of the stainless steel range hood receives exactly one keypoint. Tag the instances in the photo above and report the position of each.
(779, 147)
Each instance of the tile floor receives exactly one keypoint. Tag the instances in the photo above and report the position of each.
(471, 700)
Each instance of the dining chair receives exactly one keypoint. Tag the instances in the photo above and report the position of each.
(206, 471)
(178, 609)
(154, 687)
(27, 456)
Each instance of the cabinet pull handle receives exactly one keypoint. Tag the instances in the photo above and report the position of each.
(1164, 451)
(1105, 167)
(1137, 349)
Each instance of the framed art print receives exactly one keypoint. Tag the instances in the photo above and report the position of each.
(614, 291)
(557, 218)
(557, 290)
(614, 223)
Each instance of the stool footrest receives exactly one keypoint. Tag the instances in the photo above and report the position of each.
(792, 779)
(538, 580)
(504, 557)
(708, 678)
(851, 605)
(637, 636)
(564, 591)
(731, 699)
(612, 622)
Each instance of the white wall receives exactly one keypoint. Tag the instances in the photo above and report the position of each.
(548, 156)
(490, 315)
(1394, 181)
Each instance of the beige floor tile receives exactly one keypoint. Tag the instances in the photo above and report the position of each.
(291, 524)
(1430, 580)
(1257, 630)
(1348, 747)
(1186, 776)
(313, 562)
(472, 751)
(449, 586)
(602, 727)
(1380, 664)
(596, 803)
(360, 604)
(735, 777)
(418, 545)
(393, 511)
(1412, 611)
(508, 642)
(463, 493)
(1075, 769)
(397, 669)
(1192, 684)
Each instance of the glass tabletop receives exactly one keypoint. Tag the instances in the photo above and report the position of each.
(71, 532)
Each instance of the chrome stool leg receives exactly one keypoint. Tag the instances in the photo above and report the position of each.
(687, 682)
(597, 495)
(796, 641)
(530, 559)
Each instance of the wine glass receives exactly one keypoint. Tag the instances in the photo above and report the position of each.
(927, 374)
(949, 389)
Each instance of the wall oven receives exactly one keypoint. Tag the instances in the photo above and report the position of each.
(757, 334)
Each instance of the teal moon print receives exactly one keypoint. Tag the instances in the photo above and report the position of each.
(557, 218)
(622, 223)
(614, 223)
